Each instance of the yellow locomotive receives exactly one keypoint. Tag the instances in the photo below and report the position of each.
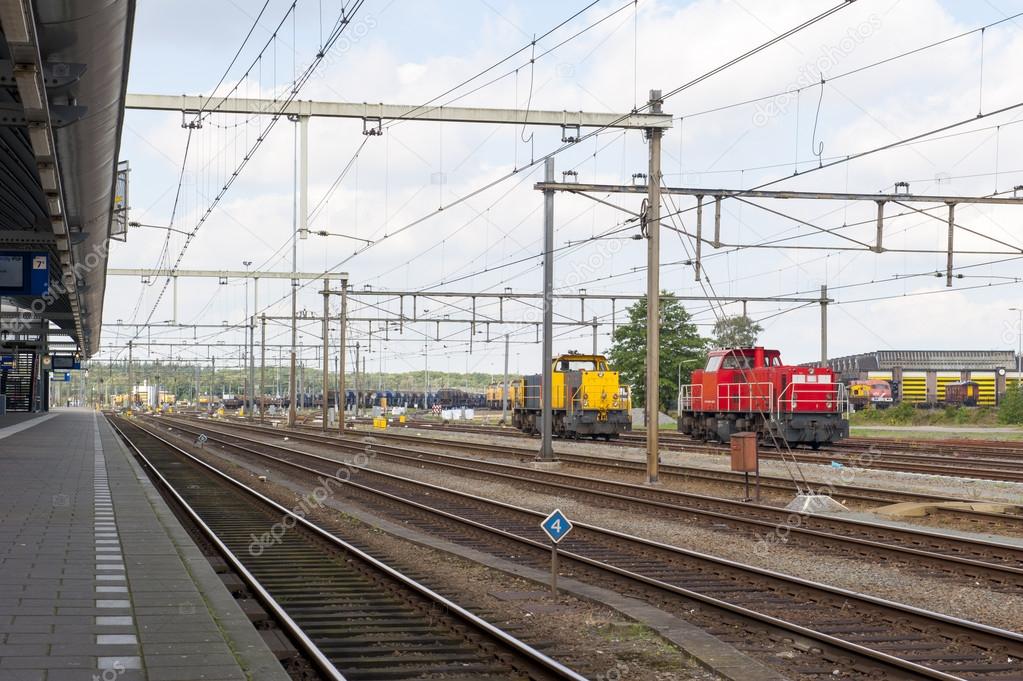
(495, 393)
(587, 399)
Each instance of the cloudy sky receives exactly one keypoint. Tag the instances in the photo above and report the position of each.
(452, 206)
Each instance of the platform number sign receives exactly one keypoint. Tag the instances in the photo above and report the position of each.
(556, 526)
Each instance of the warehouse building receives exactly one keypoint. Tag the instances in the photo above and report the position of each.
(921, 375)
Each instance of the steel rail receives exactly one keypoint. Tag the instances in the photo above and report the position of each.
(676, 500)
(291, 628)
(894, 462)
(495, 633)
(992, 636)
(868, 494)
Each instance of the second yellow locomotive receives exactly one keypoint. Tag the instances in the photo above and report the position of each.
(587, 399)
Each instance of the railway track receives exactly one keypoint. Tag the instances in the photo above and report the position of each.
(868, 496)
(950, 446)
(984, 461)
(353, 616)
(859, 634)
(1000, 565)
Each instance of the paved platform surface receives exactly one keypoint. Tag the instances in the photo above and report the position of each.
(11, 422)
(98, 580)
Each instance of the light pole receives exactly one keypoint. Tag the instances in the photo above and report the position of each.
(1019, 340)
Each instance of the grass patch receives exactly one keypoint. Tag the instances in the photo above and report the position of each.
(934, 435)
(905, 414)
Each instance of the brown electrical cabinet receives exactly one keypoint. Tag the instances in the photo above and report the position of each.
(744, 452)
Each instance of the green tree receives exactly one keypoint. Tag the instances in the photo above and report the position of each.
(681, 347)
(1010, 408)
(736, 332)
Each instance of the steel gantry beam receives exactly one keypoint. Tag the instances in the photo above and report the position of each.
(719, 194)
(376, 112)
(571, 123)
(776, 194)
(225, 274)
(483, 295)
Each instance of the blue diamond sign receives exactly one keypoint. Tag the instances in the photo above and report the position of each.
(556, 525)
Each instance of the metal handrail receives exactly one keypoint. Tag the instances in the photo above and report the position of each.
(832, 391)
(749, 397)
(687, 394)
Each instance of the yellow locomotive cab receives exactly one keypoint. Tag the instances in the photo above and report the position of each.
(587, 399)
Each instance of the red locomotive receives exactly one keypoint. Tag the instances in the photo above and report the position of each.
(750, 390)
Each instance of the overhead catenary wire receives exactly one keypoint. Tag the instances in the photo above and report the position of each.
(342, 22)
(844, 74)
(465, 197)
(567, 145)
(962, 133)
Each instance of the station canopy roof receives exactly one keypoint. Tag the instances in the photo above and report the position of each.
(923, 360)
(63, 80)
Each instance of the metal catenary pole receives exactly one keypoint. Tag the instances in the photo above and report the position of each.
(653, 309)
(342, 392)
(292, 388)
(262, 368)
(505, 386)
(251, 368)
(824, 325)
(546, 415)
(131, 385)
(326, 353)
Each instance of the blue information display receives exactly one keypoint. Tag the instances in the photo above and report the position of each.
(8, 362)
(556, 525)
(24, 273)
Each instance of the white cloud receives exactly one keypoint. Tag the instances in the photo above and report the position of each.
(416, 167)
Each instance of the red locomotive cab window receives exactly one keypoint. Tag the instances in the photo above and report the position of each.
(713, 363)
(737, 362)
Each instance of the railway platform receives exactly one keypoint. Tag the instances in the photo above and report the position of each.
(15, 421)
(98, 579)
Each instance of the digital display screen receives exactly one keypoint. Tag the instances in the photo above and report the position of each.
(12, 271)
(63, 362)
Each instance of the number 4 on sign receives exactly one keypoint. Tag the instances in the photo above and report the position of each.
(556, 526)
